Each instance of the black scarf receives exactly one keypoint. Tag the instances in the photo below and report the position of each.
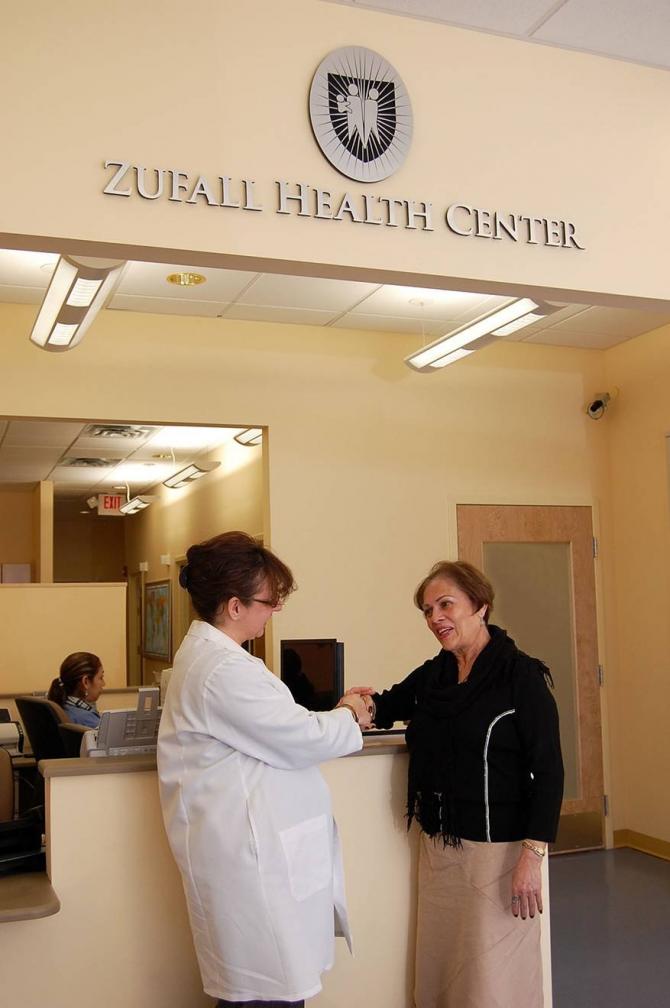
(430, 735)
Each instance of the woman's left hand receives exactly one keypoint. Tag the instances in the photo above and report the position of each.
(527, 885)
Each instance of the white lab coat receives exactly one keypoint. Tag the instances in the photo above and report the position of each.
(249, 820)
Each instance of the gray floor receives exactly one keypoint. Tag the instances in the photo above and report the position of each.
(610, 924)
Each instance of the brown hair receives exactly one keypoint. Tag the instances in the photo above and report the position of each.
(469, 579)
(232, 565)
(73, 670)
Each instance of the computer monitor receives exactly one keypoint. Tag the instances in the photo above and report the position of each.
(313, 670)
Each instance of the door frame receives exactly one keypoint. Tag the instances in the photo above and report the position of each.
(546, 500)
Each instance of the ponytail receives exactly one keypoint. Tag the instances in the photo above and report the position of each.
(57, 692)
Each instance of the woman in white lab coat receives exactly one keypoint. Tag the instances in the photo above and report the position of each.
(246, 810)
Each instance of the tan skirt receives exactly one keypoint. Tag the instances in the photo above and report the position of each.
(471, 951)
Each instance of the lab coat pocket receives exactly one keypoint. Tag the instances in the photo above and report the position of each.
(308, 856)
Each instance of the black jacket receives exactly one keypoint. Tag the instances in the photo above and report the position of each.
(507, 767)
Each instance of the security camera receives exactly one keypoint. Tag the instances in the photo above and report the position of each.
(596, 408)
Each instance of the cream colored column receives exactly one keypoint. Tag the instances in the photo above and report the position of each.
(43, 532)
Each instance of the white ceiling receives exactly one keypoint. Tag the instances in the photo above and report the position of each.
(37, 450)
(139, 455)
(634, 30)
(336, 304)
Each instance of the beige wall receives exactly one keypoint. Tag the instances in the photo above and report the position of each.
(43, 531)
(16, 525)
(231, 497)
(639, 583)
(364, 456)
(499, 124)
(44, 623)
(88, 548)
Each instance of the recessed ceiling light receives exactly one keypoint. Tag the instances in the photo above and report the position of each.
(186, 279)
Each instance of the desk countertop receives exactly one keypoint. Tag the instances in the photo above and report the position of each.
(26, 897)
(381, 745)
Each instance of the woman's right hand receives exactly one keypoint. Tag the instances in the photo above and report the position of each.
(366, 693)
(358, 704)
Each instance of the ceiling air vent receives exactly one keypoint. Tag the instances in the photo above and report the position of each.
(129, 431)
(89, 463)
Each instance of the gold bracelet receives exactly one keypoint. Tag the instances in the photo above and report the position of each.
(529, 845)
(353, 712)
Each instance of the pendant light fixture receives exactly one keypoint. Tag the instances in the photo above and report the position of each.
(475, 335)
(78, 290)
(250, 436)
(190, 473)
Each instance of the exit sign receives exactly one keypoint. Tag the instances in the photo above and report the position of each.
(109, 504)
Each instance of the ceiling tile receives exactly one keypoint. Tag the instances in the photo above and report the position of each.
(639, 32)
(98, 450)
(305, 292)
(428, 330)
(40, 455)
(166, 306)
(618, 323)
(149, 280)
(632, 31)
(42, 432)
(26, 269)
(298, 316)
(406, 302)
(22, 472)
(510, 18)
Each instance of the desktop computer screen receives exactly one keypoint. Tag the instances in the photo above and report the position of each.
(313, 670)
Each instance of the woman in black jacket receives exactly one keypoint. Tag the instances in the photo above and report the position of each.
(485, 785)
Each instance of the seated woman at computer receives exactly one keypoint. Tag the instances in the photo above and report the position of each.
(78, 685)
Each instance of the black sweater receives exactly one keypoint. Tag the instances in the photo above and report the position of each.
(508, 771)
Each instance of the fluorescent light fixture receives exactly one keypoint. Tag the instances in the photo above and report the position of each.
(190, 438)
(135, 504)
(83, 292)
(78, 290)
(476, 335)
(250, 436)
(190, 473)
(519, 323)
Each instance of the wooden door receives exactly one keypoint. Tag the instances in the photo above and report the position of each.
(540, 560)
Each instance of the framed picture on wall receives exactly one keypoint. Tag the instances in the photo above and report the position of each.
(157, 621)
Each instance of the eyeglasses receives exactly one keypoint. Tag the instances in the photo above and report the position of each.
(268, 602)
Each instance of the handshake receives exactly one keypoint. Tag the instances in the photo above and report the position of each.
(359, 701)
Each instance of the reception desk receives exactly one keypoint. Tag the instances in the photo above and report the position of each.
(121, 936)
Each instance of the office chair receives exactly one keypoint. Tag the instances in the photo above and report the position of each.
(20, 836)
(71, 736)
(41, 719)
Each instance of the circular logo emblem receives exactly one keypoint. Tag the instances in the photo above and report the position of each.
(361, 114)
